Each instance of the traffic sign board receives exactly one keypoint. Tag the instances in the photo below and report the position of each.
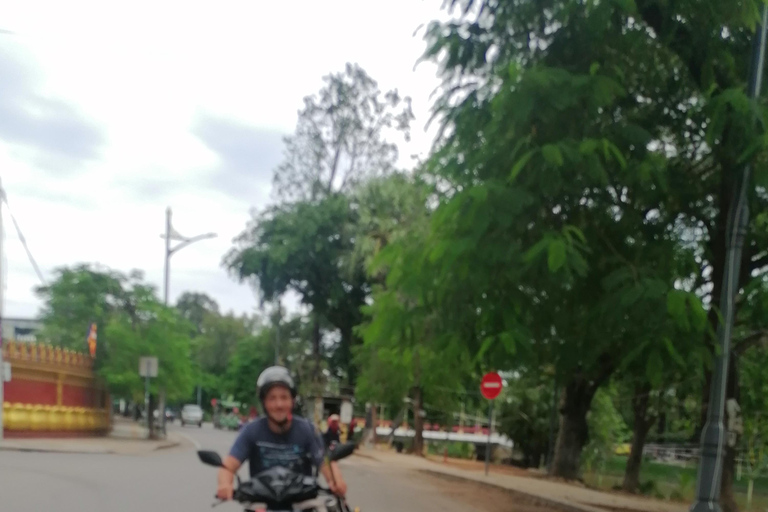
(491, 385)
(213, 402)
(346, 413)
(148, 367)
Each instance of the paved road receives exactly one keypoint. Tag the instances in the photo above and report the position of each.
(173, 480)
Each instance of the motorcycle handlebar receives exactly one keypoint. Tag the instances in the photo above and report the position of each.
(236, 496)
(241, 498)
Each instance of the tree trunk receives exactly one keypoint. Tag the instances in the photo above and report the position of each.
(532, 454)
(418, 423)
(552, 425)
(316, 348)
(151, 417)
(574, 431)
(727, 496)
(345, 356)
(641, 425)
(662, 427)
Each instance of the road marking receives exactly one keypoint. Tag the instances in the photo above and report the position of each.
(190, 439)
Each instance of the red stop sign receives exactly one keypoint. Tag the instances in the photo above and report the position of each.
(491, 385)
(213, 402)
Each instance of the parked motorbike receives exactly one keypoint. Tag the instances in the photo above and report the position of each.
(281, 490)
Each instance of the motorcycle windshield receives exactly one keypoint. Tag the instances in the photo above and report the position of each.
(279, 488)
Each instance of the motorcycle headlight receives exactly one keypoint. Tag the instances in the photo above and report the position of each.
(331, 504)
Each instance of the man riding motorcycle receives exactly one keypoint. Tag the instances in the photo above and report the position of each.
(331, 435)
(278, 438)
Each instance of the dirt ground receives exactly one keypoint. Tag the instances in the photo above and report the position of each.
(480, 497)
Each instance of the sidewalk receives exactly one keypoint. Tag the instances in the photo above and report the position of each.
(558, 495)
(126, 438)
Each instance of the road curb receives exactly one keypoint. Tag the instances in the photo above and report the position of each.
(10, 447)
(528, 498)
(49, 450)
(165, 446)
(367, 456)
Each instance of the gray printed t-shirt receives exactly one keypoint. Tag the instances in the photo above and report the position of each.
(265, 449)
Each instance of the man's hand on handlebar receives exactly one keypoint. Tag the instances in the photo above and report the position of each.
(225, 491)
(226, 479)
(339, 488)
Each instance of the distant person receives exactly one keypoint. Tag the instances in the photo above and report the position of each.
(331, 435)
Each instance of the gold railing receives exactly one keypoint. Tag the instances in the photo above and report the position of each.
(46, 354)
(53, 418)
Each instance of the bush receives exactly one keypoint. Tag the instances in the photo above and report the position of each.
(651, 488)
(455, 450)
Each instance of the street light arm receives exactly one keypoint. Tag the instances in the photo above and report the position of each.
(190, 241)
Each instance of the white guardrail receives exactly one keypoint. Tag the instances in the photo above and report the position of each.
(435, 435)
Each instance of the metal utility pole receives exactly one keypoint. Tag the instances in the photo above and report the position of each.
(171, 234)
(167, 269)
(278, 318)
(490, 429)
(714, 434)
(147, 402)
(2, 296)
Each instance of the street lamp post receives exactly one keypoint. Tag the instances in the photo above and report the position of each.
(172, 234)
(278, 317)
(714, 435)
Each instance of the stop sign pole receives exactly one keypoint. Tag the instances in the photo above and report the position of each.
(490, 387)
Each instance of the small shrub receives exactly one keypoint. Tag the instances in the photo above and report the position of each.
(648, 488)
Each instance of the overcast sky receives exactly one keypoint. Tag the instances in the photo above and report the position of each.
(110, 112)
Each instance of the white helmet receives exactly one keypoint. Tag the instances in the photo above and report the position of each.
(275, 376)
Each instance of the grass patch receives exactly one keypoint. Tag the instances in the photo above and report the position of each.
(455, 450)
(667, 481)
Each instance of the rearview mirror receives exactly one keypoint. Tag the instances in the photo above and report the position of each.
(210, 458)
(342, 451)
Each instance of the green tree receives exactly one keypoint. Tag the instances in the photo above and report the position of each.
(388, 207)
(195, 307)
(402, 355)
(132, 324)
(525, 411)
(80, 295)
(340, 138)
(251, 354)
(296, 350)
(303, 243)
(303, 247)
(754, 444)
(163, 334)
(655, 365)
(525, 93)
(606, 429)
(219, 339)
